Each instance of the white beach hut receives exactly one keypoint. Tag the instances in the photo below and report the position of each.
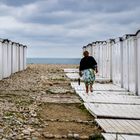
(1, 59)
(84, 48)
(89, 49)
(14, 57)
(117, 62)
(97, 50)
(104, 59)
(125, 62)
(100, 45)
(110, 43)
(99, 57)
(133, 64)
(9, 45)
(24, 57)
(138, 59)
(94, 53)
(5, 57)
(21, 57)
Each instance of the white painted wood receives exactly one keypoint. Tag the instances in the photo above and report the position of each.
(108, 136)
(117, 62)
(125, 62)
(5, 60)
(1, 60)
(97, 86)
(138, 61)
(109, 98)
(75, 76)
(132, 64)
(71, 70)
(25, 56)
(9, 58)
(17, 58)
(121, 126)
(14, 57)
(114, 110)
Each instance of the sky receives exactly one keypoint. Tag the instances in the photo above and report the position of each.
(60, 28)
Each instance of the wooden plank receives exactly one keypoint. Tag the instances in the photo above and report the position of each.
(114, 110)
(106, 98)
(75, 76)
(119, 126)
(71, 70)
(98, 92)
(108, 136)
(97, 87)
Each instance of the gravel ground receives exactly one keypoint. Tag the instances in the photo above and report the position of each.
(39, 103)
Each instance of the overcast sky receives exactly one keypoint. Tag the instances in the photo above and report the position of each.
(60, 28)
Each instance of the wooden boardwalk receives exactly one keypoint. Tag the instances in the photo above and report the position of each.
(121, 126)
(116, 111)
(120, 137)
(71, 70)
(109, 98)
(75, 76)
(97, 86)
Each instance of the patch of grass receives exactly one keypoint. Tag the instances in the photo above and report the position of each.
(83, 109)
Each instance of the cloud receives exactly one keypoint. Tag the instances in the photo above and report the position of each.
(62, 26)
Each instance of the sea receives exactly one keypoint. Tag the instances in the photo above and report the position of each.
(53, 60)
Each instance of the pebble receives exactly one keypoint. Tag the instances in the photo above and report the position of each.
(1, 130)
(70, 135)
(26, 132)
(58, 136)
(47, 135)
(84, 137)
(76, 136)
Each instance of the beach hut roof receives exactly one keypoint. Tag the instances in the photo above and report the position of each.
(137, 32)
(126, 36)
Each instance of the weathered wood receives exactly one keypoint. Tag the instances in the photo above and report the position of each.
(75, 76)
(120, 137)
(114, 110)
(122, 126)
(97, 86)
(109, 98)
(71, 70)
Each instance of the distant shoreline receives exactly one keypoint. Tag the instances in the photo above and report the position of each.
(53, 60)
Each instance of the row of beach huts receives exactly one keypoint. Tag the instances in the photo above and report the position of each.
(12, 57)
(119, 60)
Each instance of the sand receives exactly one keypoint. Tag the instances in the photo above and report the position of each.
(39, 103)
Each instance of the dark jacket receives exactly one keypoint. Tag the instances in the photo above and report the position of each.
(87, 62)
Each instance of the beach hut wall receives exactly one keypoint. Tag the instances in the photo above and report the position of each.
(100, 65)
(9, 44)
(94, 50)
(21, 57)
(5, 58)
(97, 53)
(133, 64)
(117, 62)
(14, 57)
(84, 48)
(138, 59)
(89, 49)
(104, 59)
(24, 56)
(1, 59)
(109, 45)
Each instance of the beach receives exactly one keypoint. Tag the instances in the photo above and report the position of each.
(39, 103)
